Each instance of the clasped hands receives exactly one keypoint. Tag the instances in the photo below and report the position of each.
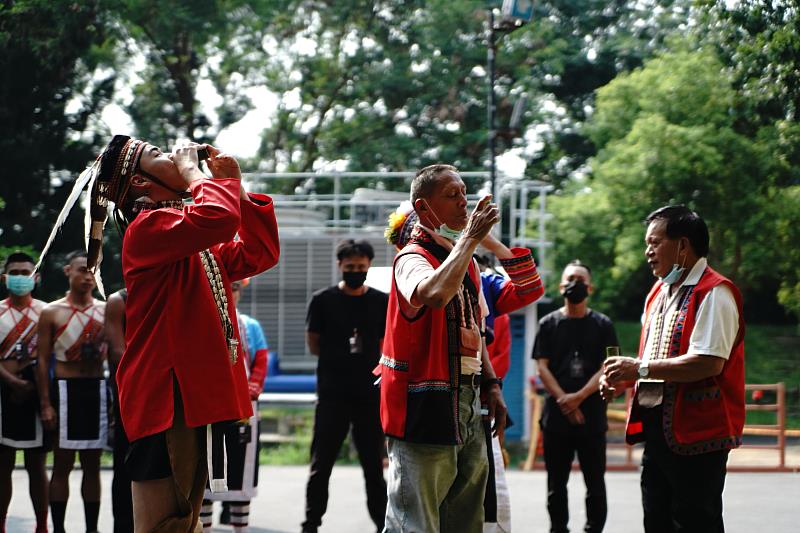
(569, 404)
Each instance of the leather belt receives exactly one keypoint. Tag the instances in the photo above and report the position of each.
(470, 379)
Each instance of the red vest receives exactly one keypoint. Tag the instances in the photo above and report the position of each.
(419, 379)
(706, 415)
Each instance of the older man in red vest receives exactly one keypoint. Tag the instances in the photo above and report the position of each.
(435, 365)
(688, 407)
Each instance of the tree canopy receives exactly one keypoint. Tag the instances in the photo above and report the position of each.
(631, 105)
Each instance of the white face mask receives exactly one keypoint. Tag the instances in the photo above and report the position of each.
(444, 230)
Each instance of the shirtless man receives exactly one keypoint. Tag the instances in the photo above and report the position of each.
(71, 329)
(121, 499)
(20, 427)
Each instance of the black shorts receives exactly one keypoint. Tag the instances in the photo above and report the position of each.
(148, 458)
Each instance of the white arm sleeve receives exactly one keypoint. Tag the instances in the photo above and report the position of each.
(409, 271)
(716, 325)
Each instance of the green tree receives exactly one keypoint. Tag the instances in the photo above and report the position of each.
(573, 48)
(666, 135)
(759, 41)
(788, 235)
(51, 51)
(397, 84)
(183, 43)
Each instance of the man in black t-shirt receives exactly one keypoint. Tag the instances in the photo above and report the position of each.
(570, 349)
(344, 328)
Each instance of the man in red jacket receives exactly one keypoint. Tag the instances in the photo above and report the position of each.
(688, 407)
(183, 368)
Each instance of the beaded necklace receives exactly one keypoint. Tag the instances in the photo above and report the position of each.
(221, 299)
(144, 205)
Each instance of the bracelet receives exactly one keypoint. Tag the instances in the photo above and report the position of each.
(492, 381)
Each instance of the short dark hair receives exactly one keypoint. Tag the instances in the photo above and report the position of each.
(17, 257)
(579, 263)
(76, 254)
(683, 222)
(352, 248)
(484, 261)
(425, 180)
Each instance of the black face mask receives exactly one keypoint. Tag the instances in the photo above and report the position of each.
(576, 291)
(354, 280)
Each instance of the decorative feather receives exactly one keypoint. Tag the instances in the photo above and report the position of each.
(80, 184)
(93, 230)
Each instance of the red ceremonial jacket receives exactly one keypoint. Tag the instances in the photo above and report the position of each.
(504, 295)
(419, 381)
(173, 326)
(706, 415)
(500, 350)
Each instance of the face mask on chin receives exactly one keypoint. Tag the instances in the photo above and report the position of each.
(676, 272)
(354, 280)
(443, 229)
(20, 285)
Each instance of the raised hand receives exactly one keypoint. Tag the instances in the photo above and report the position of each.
(184, 155)
(222, 165)
(483, 217)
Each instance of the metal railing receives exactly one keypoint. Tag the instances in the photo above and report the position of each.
(777, 430)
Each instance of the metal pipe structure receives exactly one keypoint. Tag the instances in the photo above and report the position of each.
(491, 108)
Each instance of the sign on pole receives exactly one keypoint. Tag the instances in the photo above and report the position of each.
(518, 9)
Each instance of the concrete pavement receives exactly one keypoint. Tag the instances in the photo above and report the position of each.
(767, 503)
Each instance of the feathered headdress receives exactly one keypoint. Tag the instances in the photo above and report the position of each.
(401, 223)
(108, 179)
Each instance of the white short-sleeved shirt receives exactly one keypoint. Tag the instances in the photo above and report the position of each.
(410, 270)
(717, 320)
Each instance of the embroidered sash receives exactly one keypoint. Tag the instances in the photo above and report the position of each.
(660, 327)
(17, 326)
(83, 326)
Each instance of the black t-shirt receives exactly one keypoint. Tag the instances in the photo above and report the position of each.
(575, 349)
(337, 317)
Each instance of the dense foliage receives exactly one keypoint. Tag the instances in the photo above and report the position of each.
(630, 105)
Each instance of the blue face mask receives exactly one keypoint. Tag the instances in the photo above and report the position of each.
(676, 272)
(19, 285)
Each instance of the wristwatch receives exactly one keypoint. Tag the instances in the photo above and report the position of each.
(644, 369)
(492, 381)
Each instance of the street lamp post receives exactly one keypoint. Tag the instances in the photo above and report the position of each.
(515, 14)
(491, 108)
